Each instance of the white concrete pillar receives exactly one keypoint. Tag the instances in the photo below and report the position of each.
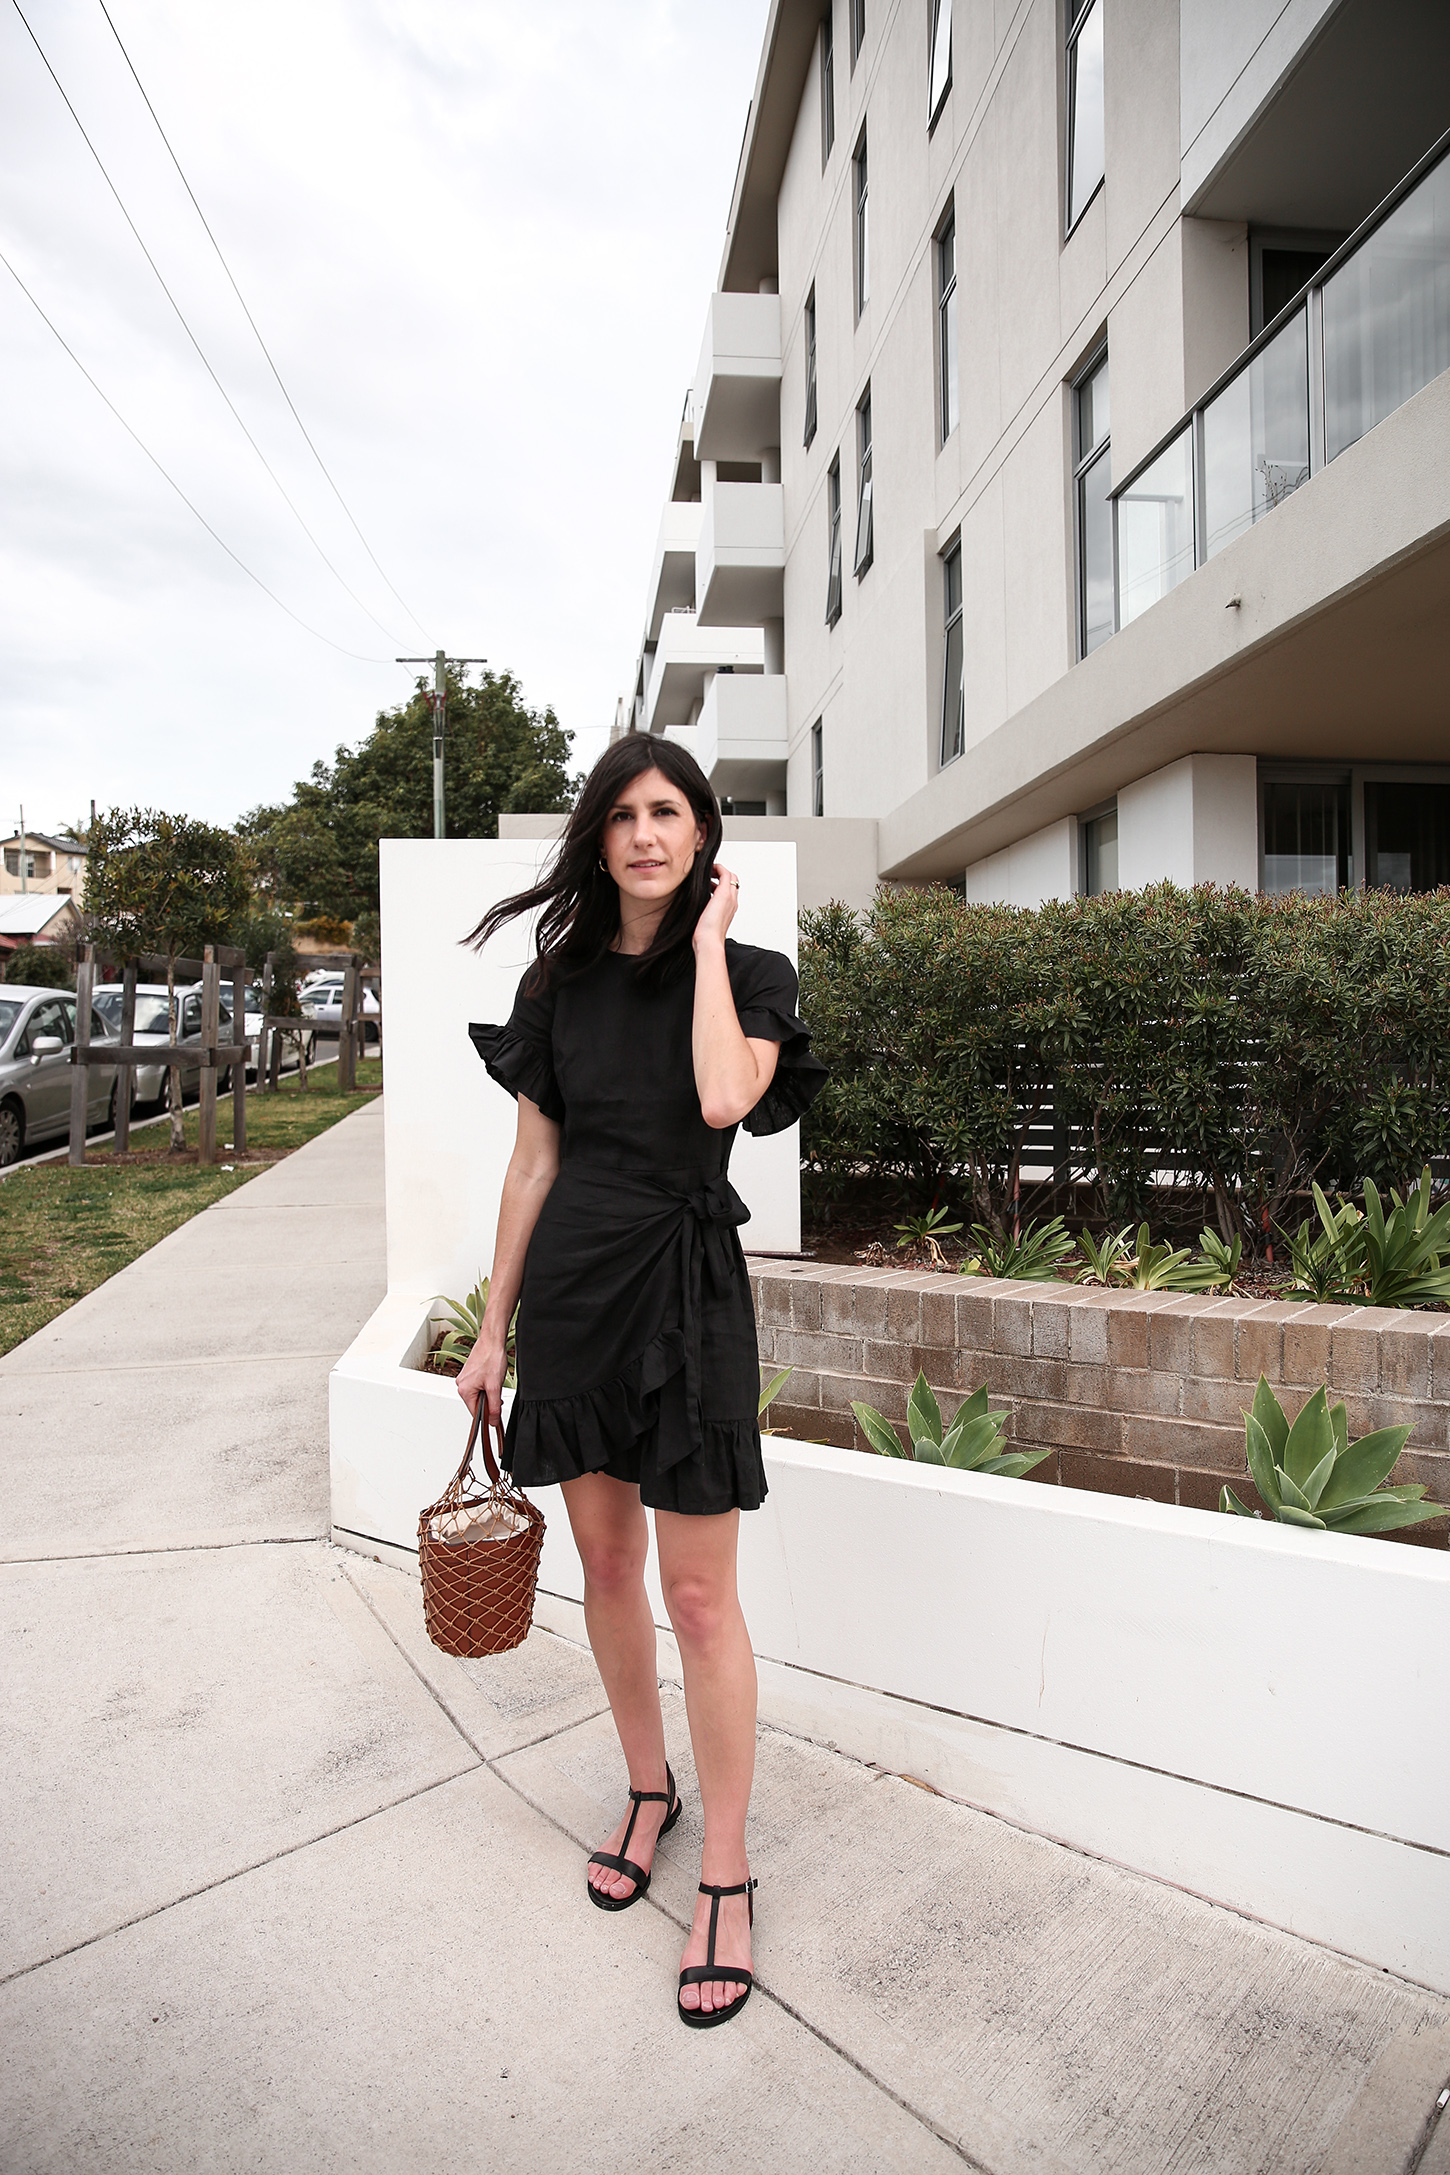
(770, 464)
(774, 633)
(1194, 822)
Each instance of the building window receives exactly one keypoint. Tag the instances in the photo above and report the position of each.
(858, 27)
(946, 306)
(810, 366)
(865, 526)
(941, 58)
(1305, 825)
(818, 771)
(1099, 835)
(828, 84)
(953, 694)
(863, 228)
(1406, 835)
(1086, 162)
(833, 580)
(1092, 481)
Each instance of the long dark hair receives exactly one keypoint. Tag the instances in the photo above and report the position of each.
(579, 900)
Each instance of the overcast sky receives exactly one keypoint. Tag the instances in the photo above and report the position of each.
(478, 237)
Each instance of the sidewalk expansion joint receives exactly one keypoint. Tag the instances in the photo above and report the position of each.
(171, 1548)
(240, 1872)
(495, 1768)
(163, 1366)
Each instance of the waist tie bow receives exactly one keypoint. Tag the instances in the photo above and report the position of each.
(707, 1262)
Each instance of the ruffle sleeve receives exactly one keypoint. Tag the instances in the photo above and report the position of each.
(520, 1054)
(765, 989)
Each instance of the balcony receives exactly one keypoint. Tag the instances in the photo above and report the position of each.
(1368, 333)
(737, 382)
(739, 571)
(683, 660)
(672, 577)
(741, 746)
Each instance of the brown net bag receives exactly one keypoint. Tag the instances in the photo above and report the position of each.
(479, 1555)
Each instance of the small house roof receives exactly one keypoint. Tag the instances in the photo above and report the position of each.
(44, 838)
(27, 913)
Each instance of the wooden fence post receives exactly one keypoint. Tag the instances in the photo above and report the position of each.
(267, 1040)
(80, 1079)
(239, 1071)
(206, 1087)
(125, 1077)
(347, 1032)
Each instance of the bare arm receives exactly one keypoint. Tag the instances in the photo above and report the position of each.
(533, 1167)
(732, 1070)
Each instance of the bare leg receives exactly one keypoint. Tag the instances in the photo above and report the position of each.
(697, 1567)
(611, 1533)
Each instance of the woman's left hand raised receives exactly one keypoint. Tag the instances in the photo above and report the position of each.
(718, 915)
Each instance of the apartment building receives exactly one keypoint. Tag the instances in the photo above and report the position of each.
(34, 861)
(1064, 487)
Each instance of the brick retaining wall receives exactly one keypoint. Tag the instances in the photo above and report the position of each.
(1133, 1393)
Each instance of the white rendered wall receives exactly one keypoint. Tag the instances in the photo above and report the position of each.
(1194, 822)
(448, 1129)
(1030, 872)
(1235, 55)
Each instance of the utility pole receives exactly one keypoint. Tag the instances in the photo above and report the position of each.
(440, 661)
(22, 849)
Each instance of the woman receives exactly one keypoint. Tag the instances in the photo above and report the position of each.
(640, 1039)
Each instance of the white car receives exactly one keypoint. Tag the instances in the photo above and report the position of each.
(37, 1028)
(322, 1004)
(152, 1025)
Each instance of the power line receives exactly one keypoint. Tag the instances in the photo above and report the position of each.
(186, 328)
(253, 320)
(236, 290)
(176, 487)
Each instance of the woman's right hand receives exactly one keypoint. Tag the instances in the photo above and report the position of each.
(482, 1377)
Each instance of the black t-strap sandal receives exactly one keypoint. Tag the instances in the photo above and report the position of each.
(620, 1862)
(697, 1974)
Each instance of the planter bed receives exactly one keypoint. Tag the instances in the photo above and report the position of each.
(1136, 1394)
(1259, 1715)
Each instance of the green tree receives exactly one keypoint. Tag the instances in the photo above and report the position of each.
(320, 848)
(162, 883)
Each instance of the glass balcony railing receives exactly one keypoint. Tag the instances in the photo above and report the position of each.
(1368, 332)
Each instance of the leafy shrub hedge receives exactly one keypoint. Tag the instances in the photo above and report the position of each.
(43, 966)
(1247, 1046)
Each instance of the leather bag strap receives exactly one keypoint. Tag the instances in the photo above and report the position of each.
(478, 1433)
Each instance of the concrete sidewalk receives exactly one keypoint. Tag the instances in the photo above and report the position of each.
(284, 1888)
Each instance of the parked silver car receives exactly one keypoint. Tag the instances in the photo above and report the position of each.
(37, 1028)
(152, 1026)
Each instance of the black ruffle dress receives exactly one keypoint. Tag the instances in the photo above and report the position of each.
(636, 1352)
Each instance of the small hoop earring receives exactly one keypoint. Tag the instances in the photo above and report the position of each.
(603, 864)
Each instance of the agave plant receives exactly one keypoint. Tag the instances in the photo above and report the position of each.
(1223, 1257)
(1035, 1255)
(928, 1231)
(1312, 1475)
(467, 1315)
(771, 1391)
(1107, 1257)
(1403, 1251)
(970, 1445)
(1374, 1259)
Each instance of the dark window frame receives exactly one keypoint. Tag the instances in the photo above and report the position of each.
(1083, 463)
(1080, 14)
(812, 396)
(861, 222)
(939, 12)
(865, 550)
(828, 85)
(834, 583)
(953, 637)
(947, 326)
(857, 13)
(818, 769)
